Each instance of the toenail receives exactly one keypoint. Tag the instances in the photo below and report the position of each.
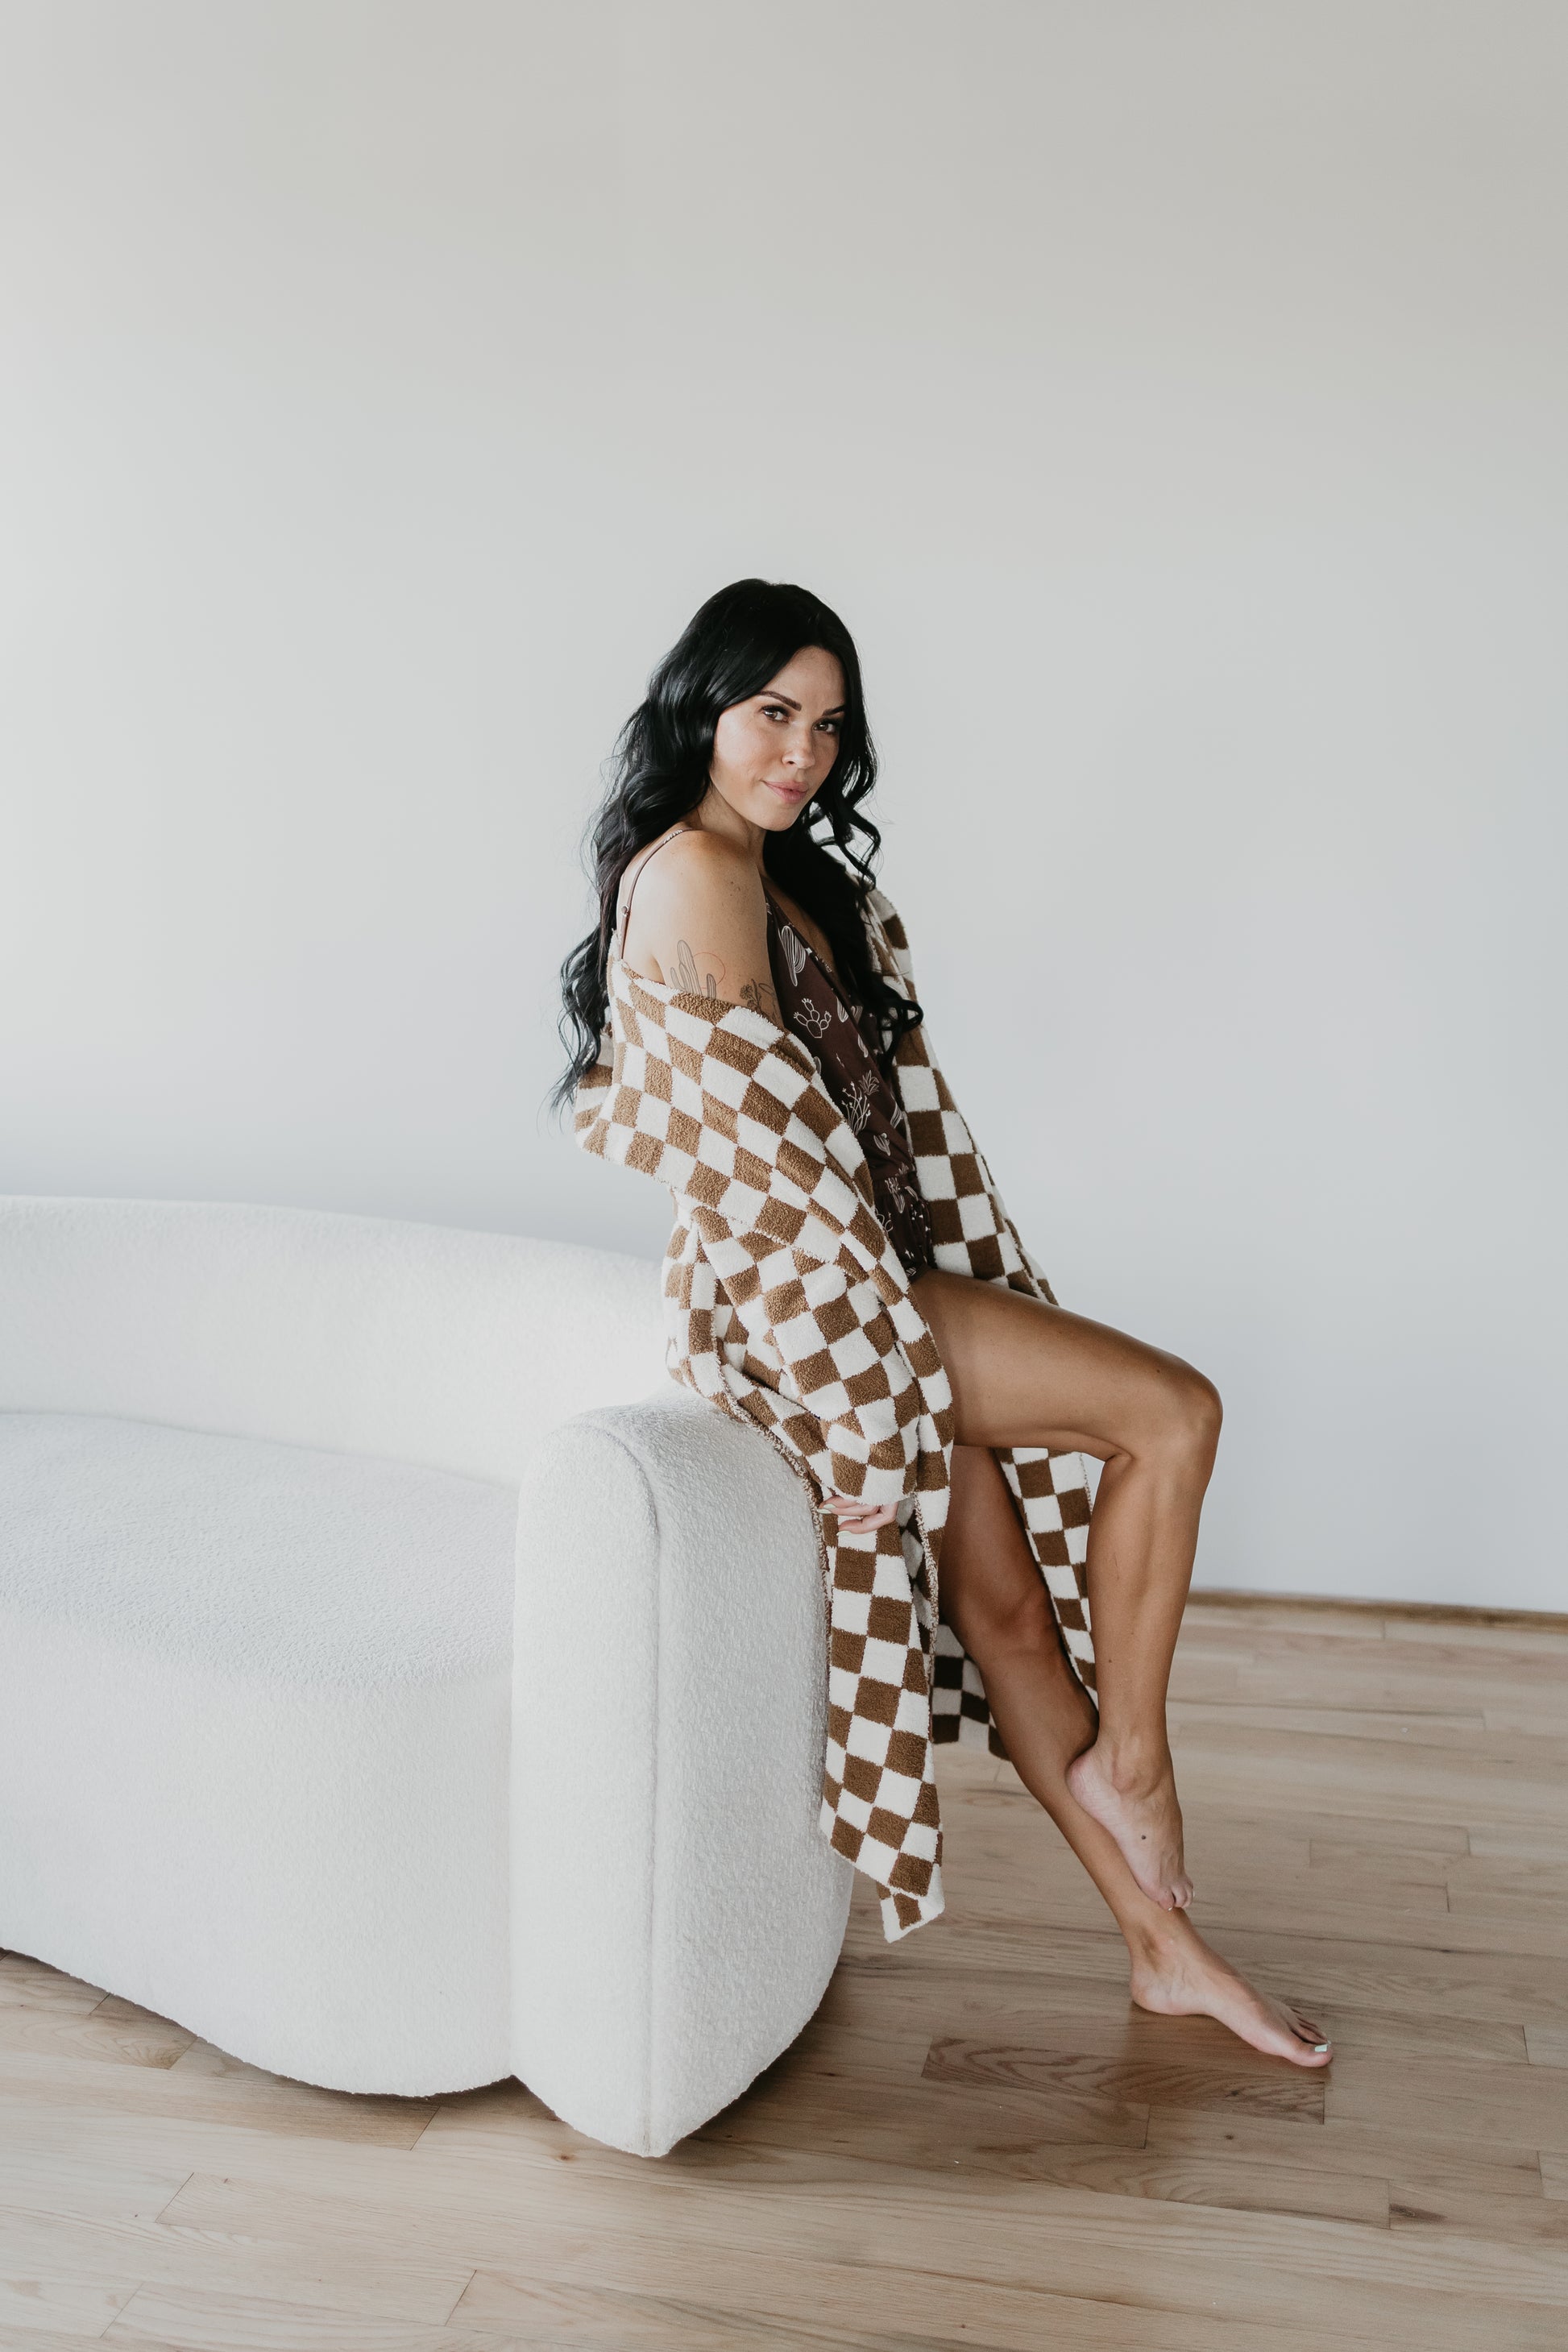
(1321, 2045)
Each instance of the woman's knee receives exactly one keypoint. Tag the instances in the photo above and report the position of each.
(995, 1622)
(1185, 1411)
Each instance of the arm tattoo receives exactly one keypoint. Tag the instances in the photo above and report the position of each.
(686, 973)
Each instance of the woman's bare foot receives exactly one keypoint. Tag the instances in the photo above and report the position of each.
(1142, 1815)
(1178, 1976)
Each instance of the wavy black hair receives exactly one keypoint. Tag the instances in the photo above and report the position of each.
(729, 650)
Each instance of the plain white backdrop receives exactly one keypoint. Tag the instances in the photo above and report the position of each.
(1173, 400)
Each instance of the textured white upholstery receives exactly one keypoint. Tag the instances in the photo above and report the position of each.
(362, 1334)
(271, 1761)
(248, 1559)
(704, 1946)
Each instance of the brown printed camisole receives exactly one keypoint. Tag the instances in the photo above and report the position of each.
(814, 1006)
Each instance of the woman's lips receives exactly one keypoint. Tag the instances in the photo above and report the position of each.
(786, 792)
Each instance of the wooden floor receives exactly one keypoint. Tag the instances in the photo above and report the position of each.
(976, 2143)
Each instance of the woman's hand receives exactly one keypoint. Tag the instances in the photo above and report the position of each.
(858, 1517)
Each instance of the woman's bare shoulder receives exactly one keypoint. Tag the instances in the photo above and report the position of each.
(692, 850)
(699, 920)
(697, 873)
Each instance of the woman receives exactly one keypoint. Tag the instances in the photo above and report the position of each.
(842, 1275)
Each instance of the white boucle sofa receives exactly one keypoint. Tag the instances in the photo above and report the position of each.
(312, 1740)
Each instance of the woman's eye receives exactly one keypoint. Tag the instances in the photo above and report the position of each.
(831, 726)
(772, 710)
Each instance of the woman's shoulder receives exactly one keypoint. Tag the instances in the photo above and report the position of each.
(691, 849)
(698, 909)
(683, 859)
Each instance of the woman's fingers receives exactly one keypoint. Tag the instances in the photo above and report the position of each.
(852, 1513)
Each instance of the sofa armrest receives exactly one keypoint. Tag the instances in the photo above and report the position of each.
(676, 1912)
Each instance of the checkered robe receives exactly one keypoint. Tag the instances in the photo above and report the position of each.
(789, 1309)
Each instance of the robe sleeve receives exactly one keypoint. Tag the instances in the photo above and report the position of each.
(732, 1113)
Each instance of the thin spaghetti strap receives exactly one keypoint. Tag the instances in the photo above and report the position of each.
(636, 877)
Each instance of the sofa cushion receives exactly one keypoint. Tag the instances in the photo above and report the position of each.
(259, 1560)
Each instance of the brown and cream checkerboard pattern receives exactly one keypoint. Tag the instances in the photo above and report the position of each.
(789, 1307)
(975, 1235)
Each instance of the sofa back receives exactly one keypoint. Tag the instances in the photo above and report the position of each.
(363, 1335)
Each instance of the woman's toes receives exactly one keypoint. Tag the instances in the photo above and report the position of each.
(1307, 2035)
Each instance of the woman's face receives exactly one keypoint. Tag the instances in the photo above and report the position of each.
(773, 750)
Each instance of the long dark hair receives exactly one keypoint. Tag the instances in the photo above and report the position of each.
(728, 651)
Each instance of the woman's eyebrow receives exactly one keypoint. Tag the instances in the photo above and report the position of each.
(836, 711)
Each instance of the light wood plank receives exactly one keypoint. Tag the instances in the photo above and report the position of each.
(295, 2109)
(1473, 1677)
(51, 2305)
(1241, 1829)
(1516, 2104)
(1332, 1971)
(204, 2058)
(1507, 1841)
(1210, 1677)
(1246, 1616)
(167, 2252)
(1520, 1934)
(81, 2185)
(543, 2312)
(976, 2125)
(464, 2202)
(1056, 1891)
(66, 2033)
(1235, 2185)
(1550, 1641)
(1513, 1779)
(39, 2339)
(1546, 1715)
(1364, 2150)
(1286, 2092)
(1415, 1727)
(1481, 1875)
(1424, 2041)
(1501, 1916)
(32, 1984)
(1220, 1912)
(1379, 1839)
(1418, 2206)
(1424, 1862)
(1015, 2230)
(1454, 1651)
(948, 2263)
(208, 2320)
(800, 2284)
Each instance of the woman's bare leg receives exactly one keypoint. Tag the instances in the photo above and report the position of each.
(1026, 1373)
(994, 1598)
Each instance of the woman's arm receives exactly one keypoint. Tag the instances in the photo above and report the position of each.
(821, 1302)
(699, 923)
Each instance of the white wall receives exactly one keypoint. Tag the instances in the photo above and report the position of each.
(1172, 398)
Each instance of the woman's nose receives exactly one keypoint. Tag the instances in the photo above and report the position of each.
(801, 750)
